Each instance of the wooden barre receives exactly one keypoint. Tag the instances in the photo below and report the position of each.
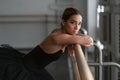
(83, 68)
(11, 19)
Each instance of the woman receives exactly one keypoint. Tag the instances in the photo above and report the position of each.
(59, 39)
(31, 66)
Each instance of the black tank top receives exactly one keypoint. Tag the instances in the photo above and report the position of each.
(17, 66)
(39, 59)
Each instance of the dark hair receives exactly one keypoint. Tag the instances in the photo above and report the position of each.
(68, 12)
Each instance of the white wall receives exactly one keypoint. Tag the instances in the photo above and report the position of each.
(92, 17)
(24, 35)
(25, 6)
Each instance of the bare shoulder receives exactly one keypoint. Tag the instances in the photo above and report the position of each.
(56, 30)
(58, 34)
